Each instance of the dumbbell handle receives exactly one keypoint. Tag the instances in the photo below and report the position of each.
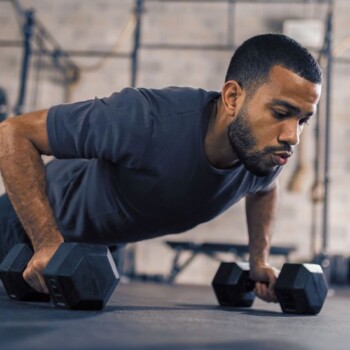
(250, 284)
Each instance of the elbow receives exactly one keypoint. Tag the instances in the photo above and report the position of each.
(9, 135)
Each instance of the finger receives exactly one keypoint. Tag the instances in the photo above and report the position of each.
(261, 291)
(272, 294)
(266, 293)
(41, 281)
(271, 288)
(32, 279)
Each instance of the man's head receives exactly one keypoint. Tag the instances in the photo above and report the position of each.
(272, 88)
(252, 61)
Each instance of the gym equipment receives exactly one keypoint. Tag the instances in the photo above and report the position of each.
(340, 270)
(186, 252)
(300, 288)
(232, 285)
(79, 276)
(336, 268)
(11, 270)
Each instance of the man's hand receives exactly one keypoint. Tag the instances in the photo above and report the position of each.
(22, 142)
(33, 274)
(260, 210)
(265, 277)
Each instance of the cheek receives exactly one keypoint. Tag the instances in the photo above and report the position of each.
(264, 130)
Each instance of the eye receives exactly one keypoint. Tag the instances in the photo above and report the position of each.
(280, 114)
(304, 121)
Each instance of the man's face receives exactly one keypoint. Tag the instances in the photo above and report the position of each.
(268, 126)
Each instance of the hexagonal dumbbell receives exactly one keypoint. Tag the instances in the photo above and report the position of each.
(11, 270)
(300, 288)
(231, 285)
(79, 276)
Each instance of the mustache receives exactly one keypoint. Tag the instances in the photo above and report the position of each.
(282, 148)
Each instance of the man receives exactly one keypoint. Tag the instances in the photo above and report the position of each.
(145, 163)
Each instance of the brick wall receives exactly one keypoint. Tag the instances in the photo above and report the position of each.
(95, 25)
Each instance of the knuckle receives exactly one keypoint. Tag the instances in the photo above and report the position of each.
(26, 273)
(37, 265)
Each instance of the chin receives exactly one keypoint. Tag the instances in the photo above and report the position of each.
(260, 171)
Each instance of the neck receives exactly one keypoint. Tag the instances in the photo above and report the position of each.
(217, 145)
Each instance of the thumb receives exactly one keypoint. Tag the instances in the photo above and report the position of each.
(34, 278)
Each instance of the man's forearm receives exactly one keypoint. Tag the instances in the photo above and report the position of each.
(23, 174)
(260, 210)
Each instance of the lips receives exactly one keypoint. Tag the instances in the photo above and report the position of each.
(281, 158)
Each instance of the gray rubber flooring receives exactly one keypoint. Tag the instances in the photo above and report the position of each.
(152, 316)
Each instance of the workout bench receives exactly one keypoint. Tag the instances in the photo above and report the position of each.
(211, 249)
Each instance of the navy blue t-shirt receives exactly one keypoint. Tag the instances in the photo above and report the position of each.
(133, 166)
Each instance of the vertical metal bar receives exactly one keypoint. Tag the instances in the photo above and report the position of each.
(28, 26)
(138, 10)
(316, 184)
(39, 66)
(3, 105)
(329, 29)
(137, 37)
(231, 22)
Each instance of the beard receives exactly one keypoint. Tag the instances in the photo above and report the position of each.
(244, 145)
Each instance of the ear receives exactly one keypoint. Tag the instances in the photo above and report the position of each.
(232, 96)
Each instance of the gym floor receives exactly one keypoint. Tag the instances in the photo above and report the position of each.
(156, 316)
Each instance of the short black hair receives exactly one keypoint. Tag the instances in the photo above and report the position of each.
(252, 61)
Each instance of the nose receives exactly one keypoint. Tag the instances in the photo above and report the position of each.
(290, 133)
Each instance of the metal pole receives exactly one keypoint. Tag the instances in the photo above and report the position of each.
(3, 104)
(329, 29)
(27, 35)
(231, 23)
(137, 37)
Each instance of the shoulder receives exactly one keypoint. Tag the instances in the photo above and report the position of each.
(177, 100)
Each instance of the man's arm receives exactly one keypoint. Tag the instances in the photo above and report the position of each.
(260, 212)
(22, 141)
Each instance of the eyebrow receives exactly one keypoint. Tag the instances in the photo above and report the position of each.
(290, 107)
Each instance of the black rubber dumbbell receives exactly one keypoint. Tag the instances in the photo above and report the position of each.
(11, 270)
(300, 288)
(79, 276)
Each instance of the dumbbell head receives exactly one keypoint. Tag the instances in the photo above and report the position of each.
(11, 272)
(81, 276)
(301, 288)
(231, 285)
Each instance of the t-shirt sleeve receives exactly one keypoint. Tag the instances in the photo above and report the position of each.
(266, 183)
(117, 128)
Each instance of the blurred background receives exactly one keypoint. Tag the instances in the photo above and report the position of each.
(54, 52)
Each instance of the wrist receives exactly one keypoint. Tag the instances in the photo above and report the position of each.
(53, 240)
(256, 262)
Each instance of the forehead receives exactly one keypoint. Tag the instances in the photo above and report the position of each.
(290, 87)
